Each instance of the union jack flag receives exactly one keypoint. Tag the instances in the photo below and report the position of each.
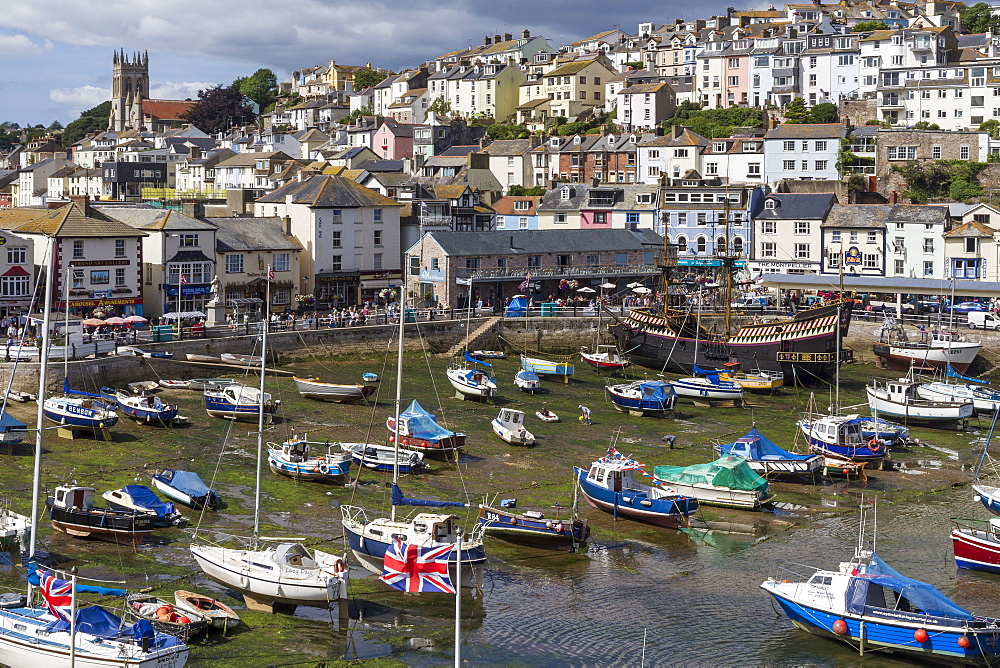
(417, 569)
(523, 285)
(58, 595)
(184, 278)
(615, 457)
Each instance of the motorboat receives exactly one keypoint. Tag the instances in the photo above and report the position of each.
(976, 544)
(218, 615)
(381, 457)
(899, 399)
(868, 605)
(147, 407)
(88, 413)
(643, 397)
(72, 511)
(201, 384)
(757, 380)
(610, 485)
(314, 388)
(769, 460)
(300, 459)
(240, 403)
(471, 382)
(142, 499)
(885, 431)
(711, 387)
(984, 399)
(419, 430)
(533, 528)
(186, 487)
(527, 381)
(509, 426)
(840, 436)
(729, 481)
(933, 349)
(12, 430)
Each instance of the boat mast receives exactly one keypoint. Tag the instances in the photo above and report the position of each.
(399, 396)
(840, 264)
(65, 325)
(986, 446)
(260, 406)
(43, 363)
(727, 265)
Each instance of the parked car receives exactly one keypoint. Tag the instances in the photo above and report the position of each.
(749, 303)
(965, 307)
(928, 306)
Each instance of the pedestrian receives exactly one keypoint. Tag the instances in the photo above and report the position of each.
(584, 414)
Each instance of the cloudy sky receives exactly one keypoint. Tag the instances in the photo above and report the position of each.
(56, 55)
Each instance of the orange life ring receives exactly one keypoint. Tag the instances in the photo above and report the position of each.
(874, 445)
(338, 567)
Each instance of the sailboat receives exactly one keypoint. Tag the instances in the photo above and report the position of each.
(283, 574)
(371, 539)
(31, 635)
(603, 356)
(469, 380)
(984, 399)
(986, 492)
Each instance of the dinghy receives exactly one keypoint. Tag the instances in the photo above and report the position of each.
(72, 511)
(605, 359)
(151, 354)
(610, 485)
(369, 377)
(193, 357)
(240, 360)
(487, 354)
(509, 426)
(314, 388)
(297, 458)
(219, 615)
(643, 397)
(527, 381)
(186, 487)
(142, 499)
(545, 415)
(146, 408)
(164, 617)
(201, 384)
(170, 384)
(380, 457)
(769, 460)
(728, 481)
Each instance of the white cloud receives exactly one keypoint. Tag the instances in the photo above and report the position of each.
(169, 90)
(83, 97)
(18, 45)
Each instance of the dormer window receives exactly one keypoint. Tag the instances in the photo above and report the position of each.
(565, 192)
(555, 142)
(770, 204)
(611, 139)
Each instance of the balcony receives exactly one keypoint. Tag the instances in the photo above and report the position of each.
(174, 193)
(556, 271)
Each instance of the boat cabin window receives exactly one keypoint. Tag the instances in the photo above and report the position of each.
(441, 530)
(400, 536)
(513, 418)
(888, 599)
(821, 580)
(375, 532)
(419, 527)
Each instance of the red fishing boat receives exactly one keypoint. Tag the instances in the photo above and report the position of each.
(977, 549)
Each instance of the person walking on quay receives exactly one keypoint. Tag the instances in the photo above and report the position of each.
(584, 414)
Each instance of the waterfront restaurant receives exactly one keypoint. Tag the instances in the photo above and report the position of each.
(556, 263)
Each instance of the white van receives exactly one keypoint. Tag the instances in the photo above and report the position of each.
(750, 303)
(983, 320)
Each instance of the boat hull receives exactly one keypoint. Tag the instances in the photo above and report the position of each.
(636, 404)
(711, 495)
(699, 388)
(486, 388)
(542, 532)
(332, 392)
(546, 367)
(939, 412)
(976, 550)
(172, 492)
(669, 513)
(896, 637)
(380, 457)
(313, 470)
(447, 444)
(981, 401)
(249, 412)
(988, 496)
(901, 358)
(112, 526)
(219, 615)
(604, 361)
(520, 437)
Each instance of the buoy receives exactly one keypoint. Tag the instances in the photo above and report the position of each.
(840, 627)
(964, 642)
(920, 635)
(392, 439)
(847, 471)
(181, 619)
(784, 582)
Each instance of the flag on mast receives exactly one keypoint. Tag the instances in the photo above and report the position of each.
(523, 285)
(58, 595)
(270, 274)
(409, 567)
(184, 278)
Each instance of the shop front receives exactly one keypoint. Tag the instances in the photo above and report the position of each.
(337, 290)
(380, 287)
(102, 306)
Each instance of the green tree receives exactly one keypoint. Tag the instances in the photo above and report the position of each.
(55, 125)
(635, 65)
(92, 120)
(352, 117)
(926, 125)
(261, 87)
(991, 126)
(796, 112)
(824, 112)
(521, 191)
(979, 18)
(955, 179)
(868, 26)
(367, 77)
(217, 109)
(440, 105)
(505, 131)
(712, 123)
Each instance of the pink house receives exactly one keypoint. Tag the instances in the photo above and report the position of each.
(393, 141)
(737, 73)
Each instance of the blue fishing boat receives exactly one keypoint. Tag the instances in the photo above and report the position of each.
(145, 407)
(643, 397)
(79, 410)
(381, 457)
(889, 433)
(240, 403)
(610, 485)
(12, 430)
(143, 499)
(298, 458)
(533, 528)
(872, 607)
(186, 487)
(768, 459)
(840, 436)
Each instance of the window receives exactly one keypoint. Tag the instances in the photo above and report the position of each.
(702, 218)
(701, 245)
(337, 216)
(902, 152)
(963, 152)
(119, 248)
(768, 249)
(769, 227)
(854, 236)
(753, 169)
(281, 261)
(971, 245)
(835, 237)
(377, 262)
(983, 218)
(801, 228)
(335, 239)
(682, 244)
(821, 165)
(378, 215)
(734, 81)
(928, 268)
(928, 245)
(281, 296)
(869, 261)
(621, 258)
(787, 146)
(845, 60)
(522, 223)
(234, 263)
(19, 254)
(872, 236)
(435, 264)
(897, 267)
(501, 263)
(78, 278)
(100, 277)
(188, 241)
(801, 251)
(680, 153)
(833, 258)
(600, 218)
(936, 152)
(414, 266)
(377, 237)
(534, 261)
(78, 248)
(120, 276)
(788, 165)
(821, 146)
(15, 286)
(473, 262)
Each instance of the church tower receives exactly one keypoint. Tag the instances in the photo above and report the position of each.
(129, 87)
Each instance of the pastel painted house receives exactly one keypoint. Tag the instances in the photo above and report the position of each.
(516, 213)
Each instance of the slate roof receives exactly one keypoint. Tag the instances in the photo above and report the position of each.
(154, 219)
(858, 216)
(919, 213)
(807, 131)
(382, 165)
(971, 229)
(329, 192)
(252, 234)
(508, 147)
(812, 206)
(460, 244)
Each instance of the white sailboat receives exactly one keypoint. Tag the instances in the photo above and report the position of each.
(283, 574)
(30, 635)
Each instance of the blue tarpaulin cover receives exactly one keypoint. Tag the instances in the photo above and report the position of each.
(517, 307)
(147, 498)
(710, 374)
(421, 424)
(34, 580)
(757, 447)
(9, 422)
(921, 595)
(97, 621)
(470, 358)
(656, 391)
(399, 500)
(953, 373)
(189, 483)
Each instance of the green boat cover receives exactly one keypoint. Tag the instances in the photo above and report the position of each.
(728, 471)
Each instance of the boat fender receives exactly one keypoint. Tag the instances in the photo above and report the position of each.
(964, 642)
(840, 627)
(180, 619)
(646, 502)
(921, 636)
(559, 528)
(548, 525)
(316, 469)
(163, 612)
(324, 469)
(977, 499)
(513, 520)
(338, 567)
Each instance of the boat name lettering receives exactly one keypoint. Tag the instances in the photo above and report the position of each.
(785, 356)
(78, 410)
(492, 517)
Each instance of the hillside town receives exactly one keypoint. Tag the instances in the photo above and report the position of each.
(520, 158)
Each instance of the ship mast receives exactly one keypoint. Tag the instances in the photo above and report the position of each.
(726, 257)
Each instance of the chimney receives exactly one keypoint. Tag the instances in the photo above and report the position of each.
(676, 131)
(286, 225)
(525, 34)
(487, 41)
(507, 37)
(534, 140)
(82, 201)
(595, 181)
(658, 131)
(893, 197)
(496, 39)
